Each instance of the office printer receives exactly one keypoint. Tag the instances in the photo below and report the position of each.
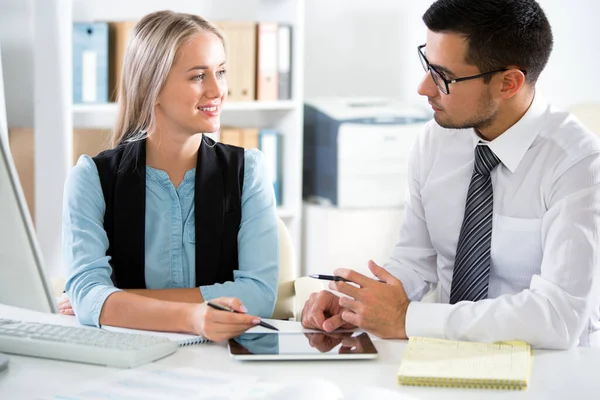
(356, 151)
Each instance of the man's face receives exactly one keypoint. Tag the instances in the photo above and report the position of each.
(470, 103)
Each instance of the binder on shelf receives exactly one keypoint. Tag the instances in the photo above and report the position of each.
(284, 65)
(249, 138)
(270, 145)
(240, 37)
(266, 66)
(21, 142)
(230, 135)
(90, 62)
(118, 37)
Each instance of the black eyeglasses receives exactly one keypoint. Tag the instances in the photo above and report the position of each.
(443, 83)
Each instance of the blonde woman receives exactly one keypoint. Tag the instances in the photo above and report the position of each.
(169, 219)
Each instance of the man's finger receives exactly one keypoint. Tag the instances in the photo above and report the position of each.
(346, 288)
(352, 305)
(381, 273)
(316, 318)
(333, 323)
(350, 317)
(353, 276)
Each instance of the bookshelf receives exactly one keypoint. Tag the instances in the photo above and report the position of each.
(56, 116)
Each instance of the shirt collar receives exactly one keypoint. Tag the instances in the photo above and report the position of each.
(510, 147)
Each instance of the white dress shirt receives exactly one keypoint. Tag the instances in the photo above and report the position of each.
(544, 285)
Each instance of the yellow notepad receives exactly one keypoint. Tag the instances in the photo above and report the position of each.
(451, 363)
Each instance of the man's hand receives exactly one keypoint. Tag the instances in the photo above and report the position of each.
(322, 311)
(377, 307)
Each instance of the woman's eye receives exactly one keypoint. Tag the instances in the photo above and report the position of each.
(222, 73)
(198, 77)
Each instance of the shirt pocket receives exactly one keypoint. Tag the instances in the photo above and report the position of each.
(190, 227)
(516, 249)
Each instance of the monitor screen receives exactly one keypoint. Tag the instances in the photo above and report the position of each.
(22, 280)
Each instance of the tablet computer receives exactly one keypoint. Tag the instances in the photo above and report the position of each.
(302, 346)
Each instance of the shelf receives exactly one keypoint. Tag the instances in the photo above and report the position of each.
(103, 115)
(259, 105)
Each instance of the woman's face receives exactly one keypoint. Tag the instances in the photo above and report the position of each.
(191, 99)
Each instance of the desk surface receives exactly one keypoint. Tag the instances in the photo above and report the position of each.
(555, 374)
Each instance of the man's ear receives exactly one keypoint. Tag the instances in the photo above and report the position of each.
(512, 82)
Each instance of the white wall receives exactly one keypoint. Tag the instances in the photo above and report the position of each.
(357, 47)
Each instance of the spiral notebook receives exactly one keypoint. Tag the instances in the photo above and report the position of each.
(450, 363)
(181, 339)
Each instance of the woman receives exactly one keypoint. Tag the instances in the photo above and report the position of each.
(168, 219)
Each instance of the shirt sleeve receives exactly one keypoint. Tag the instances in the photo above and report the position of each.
(413, 259)
(553, 312)
(85, 242)
(255, 281)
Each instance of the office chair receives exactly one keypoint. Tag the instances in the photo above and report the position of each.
(284, 306)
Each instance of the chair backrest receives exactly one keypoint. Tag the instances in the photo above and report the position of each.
(304, 287)
(284, 307)
(589, 115)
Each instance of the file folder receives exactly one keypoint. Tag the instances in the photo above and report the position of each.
(240, 37)
(230, 135)
(266, 67)
(90, 62)
(118, 37)
(270, 145)
(284, 67)
(249, 138)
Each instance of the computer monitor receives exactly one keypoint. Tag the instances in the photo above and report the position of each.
(23, 281)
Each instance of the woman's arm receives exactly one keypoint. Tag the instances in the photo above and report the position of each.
(255, 281)
(138, 312)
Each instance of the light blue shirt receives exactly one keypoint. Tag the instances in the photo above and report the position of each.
(170, 239)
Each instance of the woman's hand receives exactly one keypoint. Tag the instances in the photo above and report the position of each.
(217, 325)
(64, 305)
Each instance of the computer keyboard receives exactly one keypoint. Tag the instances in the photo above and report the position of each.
(81, 344)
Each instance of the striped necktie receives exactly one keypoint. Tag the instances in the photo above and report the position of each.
(472, 263)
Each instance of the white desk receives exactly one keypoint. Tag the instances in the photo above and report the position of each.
(573, 374)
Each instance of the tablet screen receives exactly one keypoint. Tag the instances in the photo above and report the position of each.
(299, 346)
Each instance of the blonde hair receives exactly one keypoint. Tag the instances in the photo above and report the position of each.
(149, 56)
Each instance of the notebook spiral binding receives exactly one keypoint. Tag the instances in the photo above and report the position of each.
(192, 342)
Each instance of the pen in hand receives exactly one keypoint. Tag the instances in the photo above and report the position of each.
(223, 308)
(334, 278)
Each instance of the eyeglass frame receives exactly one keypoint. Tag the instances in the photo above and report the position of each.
(428, 67)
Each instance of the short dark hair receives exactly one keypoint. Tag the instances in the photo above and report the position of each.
(499, 33)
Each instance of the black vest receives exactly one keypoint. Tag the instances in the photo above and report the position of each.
(217, 203)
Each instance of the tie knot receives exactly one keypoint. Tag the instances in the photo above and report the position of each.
(485, 159)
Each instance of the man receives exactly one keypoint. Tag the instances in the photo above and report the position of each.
(503, 205)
